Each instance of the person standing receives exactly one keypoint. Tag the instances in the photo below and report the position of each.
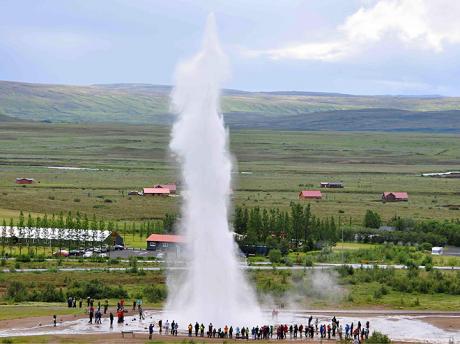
(106, 306)
(167, 327)
(150, 331)
(111, 319)
(141, 313)
(80, 303)
(160, 324)
(54, 320)
(91, 314)
(197, 328)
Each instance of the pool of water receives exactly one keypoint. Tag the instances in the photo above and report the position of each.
(397, 327)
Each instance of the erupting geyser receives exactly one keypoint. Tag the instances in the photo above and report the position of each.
(213, 287)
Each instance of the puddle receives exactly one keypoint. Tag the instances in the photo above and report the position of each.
(397, 327)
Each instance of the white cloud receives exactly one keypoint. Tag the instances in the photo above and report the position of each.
(419, 24)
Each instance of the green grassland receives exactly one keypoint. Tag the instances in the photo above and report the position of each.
(283, 287)
(149, 104)
(276, 166)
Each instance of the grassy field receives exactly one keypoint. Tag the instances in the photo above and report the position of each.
(290, 289)
(276, 164)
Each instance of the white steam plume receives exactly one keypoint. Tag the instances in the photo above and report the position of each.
(213, 288)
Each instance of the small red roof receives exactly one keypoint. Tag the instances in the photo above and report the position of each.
(398, 195)
(156, 191)
(171, 187)
(311, 194)
(166, 238)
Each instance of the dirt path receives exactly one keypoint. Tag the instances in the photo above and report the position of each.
(448, 324)
(116, 338)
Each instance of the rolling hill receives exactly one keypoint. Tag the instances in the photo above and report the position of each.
(284, 110)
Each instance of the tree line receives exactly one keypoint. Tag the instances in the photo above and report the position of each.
(296, 227)
(54, 229)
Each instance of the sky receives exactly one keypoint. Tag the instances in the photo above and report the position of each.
(349, 46)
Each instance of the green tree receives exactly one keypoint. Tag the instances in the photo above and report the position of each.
(239, 223)
(169, 221)
(297, 222)
(20, 230)
(3, 236)
(372, 219)
(11, 229)
(274, 256)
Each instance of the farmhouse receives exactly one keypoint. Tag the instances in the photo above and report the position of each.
(155, 192)
(450, 174)
(334, 185)
(395, 197)
(24, 180)
(165, 242)
(171, 187)
(310, 194)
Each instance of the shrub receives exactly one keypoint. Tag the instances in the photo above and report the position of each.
(308, 261)
(378, 338)
(23, 258)
(426, 246)
(113, 261)
(17, 291)
(39, 258)
(274, 256)
(96, 289)
(155, 293)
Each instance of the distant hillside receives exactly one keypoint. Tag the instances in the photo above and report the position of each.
(5, 118)
(144, 103)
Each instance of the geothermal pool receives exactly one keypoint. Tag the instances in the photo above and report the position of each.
(397, 327)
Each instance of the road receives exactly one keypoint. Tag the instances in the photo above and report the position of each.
(319, 266)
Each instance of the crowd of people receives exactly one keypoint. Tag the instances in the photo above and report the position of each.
(331, 330)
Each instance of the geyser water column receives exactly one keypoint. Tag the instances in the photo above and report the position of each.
(213, 287)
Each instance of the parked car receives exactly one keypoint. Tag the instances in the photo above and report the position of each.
(118, 247)
(61, 253)
(88, 254)
(103, 255)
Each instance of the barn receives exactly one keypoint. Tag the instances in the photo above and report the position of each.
(333, 185)
(165, 242)
(24, 180)
(171, 187)
(310, 194)
(155, 192)
(395, 197)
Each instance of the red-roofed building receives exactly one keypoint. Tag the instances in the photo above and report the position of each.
(171, 187)
(164, 242)
(156, 192)
(24, 180)
(310, 194)
(395, 197)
